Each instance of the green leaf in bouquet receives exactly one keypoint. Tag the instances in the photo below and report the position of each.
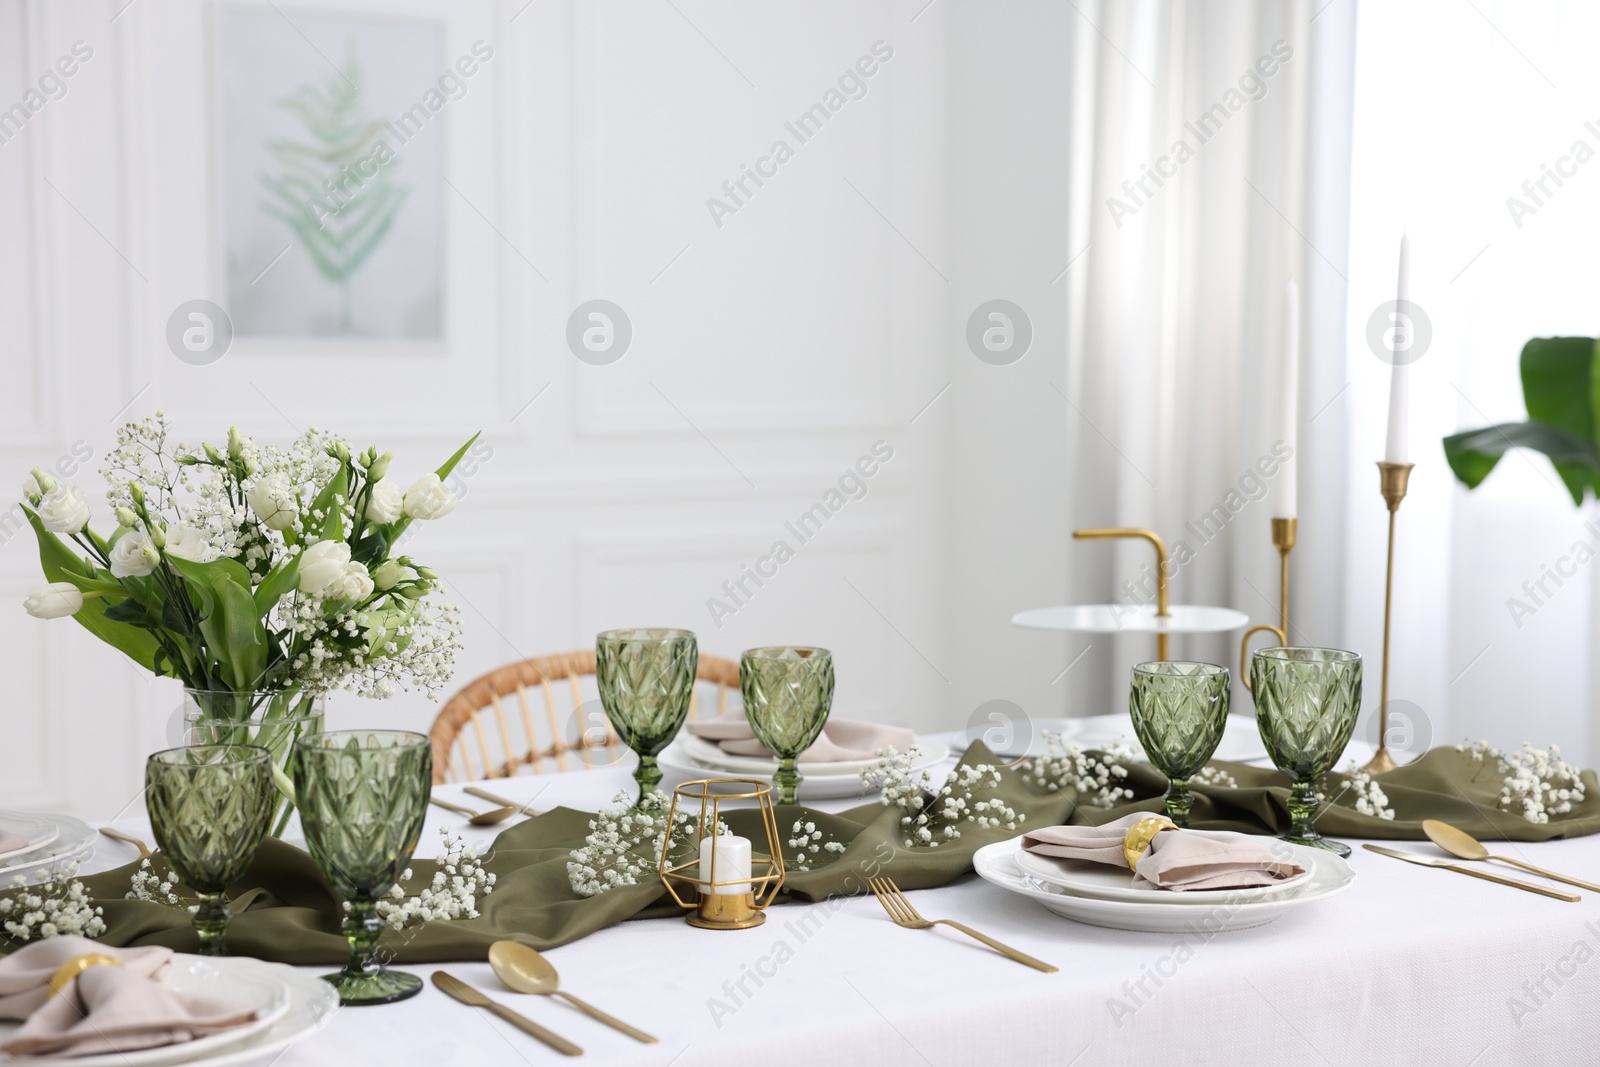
(230, 623)
(133, 613)
(278, 581)
(370, 550)
(61, 564)
(330, 502)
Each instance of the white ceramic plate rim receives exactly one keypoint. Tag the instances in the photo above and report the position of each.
(40, 831)
(1111, 883)
(812, 787)
(1332, 875)
(75, 838)
(198, 975)
(702, 751)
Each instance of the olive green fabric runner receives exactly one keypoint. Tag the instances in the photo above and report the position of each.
(284, 911)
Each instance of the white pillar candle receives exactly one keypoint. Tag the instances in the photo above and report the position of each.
(1286, 505)
(732, 864)
(1394, 450)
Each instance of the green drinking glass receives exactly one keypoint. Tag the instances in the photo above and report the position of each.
(646, 679)
(1306, 700)
(209, 807)
(1179, 709)
(788, 693)
(362, 796)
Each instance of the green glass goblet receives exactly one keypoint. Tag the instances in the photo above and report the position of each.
(362, 796)
(646, 679)
(788, 693)
(209, 807)
(1306, 701)
(1179, 710)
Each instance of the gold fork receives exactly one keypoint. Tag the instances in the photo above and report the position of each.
(900, 910)
(117, 835)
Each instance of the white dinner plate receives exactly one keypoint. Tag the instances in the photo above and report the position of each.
(74, 840)
(221, 981)
(996, 864)
(712, 755)
(1241, 739)
(815, 784)
(37, 830)
(1086, 878)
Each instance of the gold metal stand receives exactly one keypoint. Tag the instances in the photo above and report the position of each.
(1284, 532)
(1392, 481)
(1161, 568)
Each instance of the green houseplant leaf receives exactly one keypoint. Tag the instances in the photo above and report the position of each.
(1559, 386)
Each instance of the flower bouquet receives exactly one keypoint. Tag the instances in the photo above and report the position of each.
(260, 577)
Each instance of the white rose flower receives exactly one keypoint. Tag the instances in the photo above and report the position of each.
(352, 583)
(321, 565)
(429, 498)
(185, 542)
(54, 601)
(387, 502)
(63, 510)
(134, 555)
(271, 500)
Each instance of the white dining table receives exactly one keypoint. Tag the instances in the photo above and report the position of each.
(1408, 966)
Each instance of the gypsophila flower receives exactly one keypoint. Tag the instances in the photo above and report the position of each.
(1213, 775)
(452, 894)
(1370, 799)
(1538, 783)
(56, 903)
(932, 820)
(1065, 765)
(148, 886)
(625, 843)
(808, 841)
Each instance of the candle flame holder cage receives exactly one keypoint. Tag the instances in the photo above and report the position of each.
(709, 909)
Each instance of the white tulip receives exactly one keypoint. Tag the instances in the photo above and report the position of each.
(185, 542)
(352, 583)
(429, 498)
(387, 502)
(321, 565)
(63, 510)
(272, 502)
(134, 555)
(54, 601)
(391, 573)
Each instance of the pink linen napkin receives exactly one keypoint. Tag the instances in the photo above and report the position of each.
(840, 740)
(105, 1009)
(1177, 860)
(10, 842)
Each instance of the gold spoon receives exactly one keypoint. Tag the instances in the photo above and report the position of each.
(525, 971)
(476, 818)
(1463, 845)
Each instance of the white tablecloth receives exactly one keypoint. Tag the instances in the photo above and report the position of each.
(1410, 966)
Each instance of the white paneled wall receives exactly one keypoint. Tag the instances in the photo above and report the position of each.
(769, 353)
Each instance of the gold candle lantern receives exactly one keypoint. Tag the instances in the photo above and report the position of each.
(736, 896)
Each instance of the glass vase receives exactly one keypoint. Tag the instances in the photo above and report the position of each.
(273, 720)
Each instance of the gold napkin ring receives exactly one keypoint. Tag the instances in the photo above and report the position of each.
(75, 966)
(1139, 836)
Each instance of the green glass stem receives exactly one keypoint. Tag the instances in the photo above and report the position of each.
(362, 928)
(1179, 801)
(787, 779)
(648, 775)
(1302, 804)
(211, 923)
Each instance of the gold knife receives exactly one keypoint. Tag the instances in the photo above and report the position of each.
(455, 987)
(1428, 861)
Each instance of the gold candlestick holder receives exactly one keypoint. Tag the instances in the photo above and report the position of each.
(1284, 532)
(1392, 481)
(730, 902)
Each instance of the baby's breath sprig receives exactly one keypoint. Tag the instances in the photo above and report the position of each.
(1213, 775)
(808, 841)
(453, 894)
(1538, 783)
(625, 843)
(1370, 799)
(1064, 765)
(932, 820)
(55, 904)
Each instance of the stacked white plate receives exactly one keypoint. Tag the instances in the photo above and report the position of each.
(1241, 740)
(289, 1005)
(51, 840)
(699, 758)
(1101, 895)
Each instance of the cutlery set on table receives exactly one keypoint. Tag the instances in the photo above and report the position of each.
(1464, 846)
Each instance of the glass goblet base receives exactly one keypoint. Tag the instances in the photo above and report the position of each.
(1316, 840)
(382, 986)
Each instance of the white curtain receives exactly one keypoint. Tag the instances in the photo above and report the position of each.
(1176, 310)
